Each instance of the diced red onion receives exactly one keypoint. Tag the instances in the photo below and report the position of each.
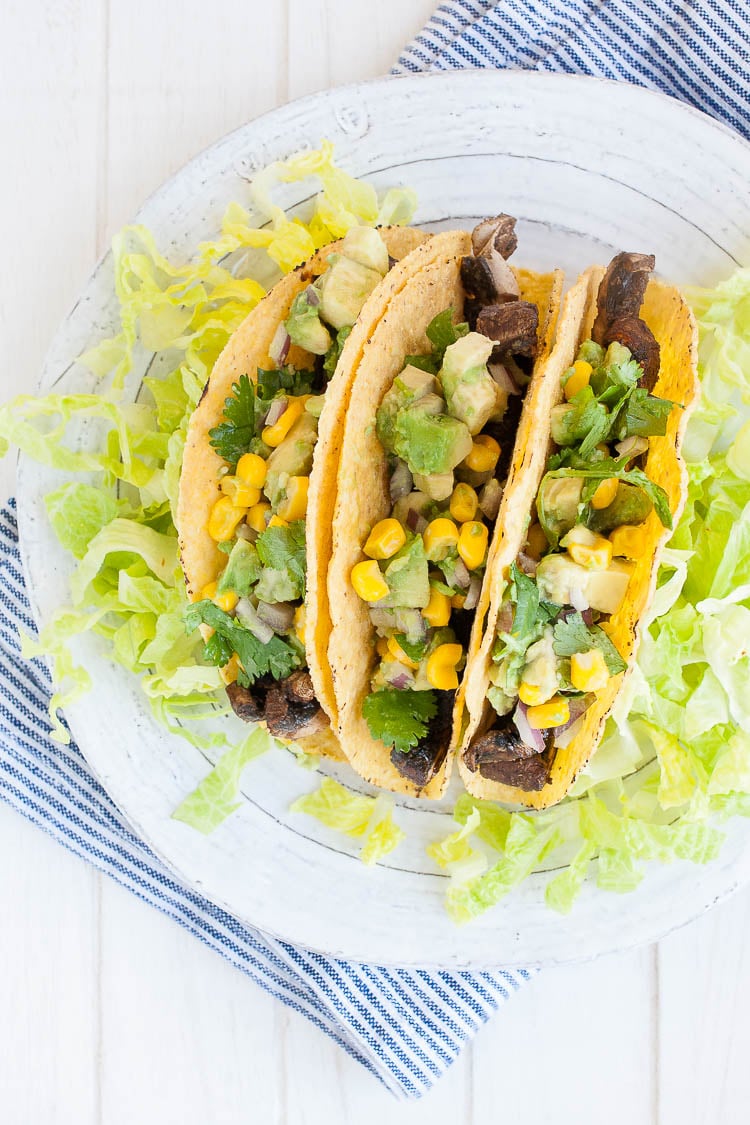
(527, 564)
(401, 680)
(312, 296)
(275, 410)
(503, 378)
(383, 618)
(461, 575)
(632, 446)
(472, 596)
(244, 531)
(247, 616)
(401, 482)
(505, 618)
(577, 600)
(588, 616)
(489, 499)
(565, 735)
(529, 735)
(280, 345)
(279, 615)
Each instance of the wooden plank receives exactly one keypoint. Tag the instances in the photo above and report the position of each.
(185, 1036)
(575, 1045)
(324, 1085)
(704, 1019)
(48, 958)
(181, 75)
(51, 59)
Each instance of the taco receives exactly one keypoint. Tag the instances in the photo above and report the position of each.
(428, 442)
(268, 414)
(582, 527)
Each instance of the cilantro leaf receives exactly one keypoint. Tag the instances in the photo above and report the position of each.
(573, 635)
(334, 352)
(645, 415)
(415, 650)
(442, 332)
(276, 658)
(286, 379)
(283, 548)
(232, 437)
(399, 718)
(426, 363)
(530, 615)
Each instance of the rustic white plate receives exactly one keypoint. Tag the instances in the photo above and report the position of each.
(588, 167)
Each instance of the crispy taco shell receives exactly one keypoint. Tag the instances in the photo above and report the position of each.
(246, 351)
(667, 315)
(362, 490)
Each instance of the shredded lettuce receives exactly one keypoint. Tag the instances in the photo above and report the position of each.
(354, 815)
(217, 796)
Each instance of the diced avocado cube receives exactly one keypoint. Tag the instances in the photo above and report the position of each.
(242, 570)
(631, 505)
(344, 288)
(430, 443)
(561, 580)
(439, 486)
(408, 387)
(304, 326)
(472, 395)
(557, 504)
(591, 353)
(407, 575)
(293, 458)
(364, 245)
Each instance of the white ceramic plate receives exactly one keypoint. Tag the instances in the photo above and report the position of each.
(589, 167)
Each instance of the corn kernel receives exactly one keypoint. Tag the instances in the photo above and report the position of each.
(440, 536)
(588, 670)
(300, 622)
(605, 493)
(231, 669)
(397, 653)
(227, 600)
(485, 454)
(457, 601)
(531, 694)
(295, 505)
(278, 521)
(464, 503)
(536, 541)
(472, 543)
(242, 495)
(368, 582)
(555, 713)
(587, 548)
(578, 378)
(209, 591)
(386, 538)
(252, 469)
(438, 609)
(441, 666)
(256, 517)
(628, 541)
(381, 646)
(224, 519)
(275, 434)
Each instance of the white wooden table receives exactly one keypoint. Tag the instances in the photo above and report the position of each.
(110, 1013)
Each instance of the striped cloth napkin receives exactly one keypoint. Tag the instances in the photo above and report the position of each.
(406, 1027)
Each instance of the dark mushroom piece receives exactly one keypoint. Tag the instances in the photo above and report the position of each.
(495, 234)
(621, 291)
(500, 755)
(513, 326)
(635, 334)
(289, 708)
(422, 763)
(246, 704)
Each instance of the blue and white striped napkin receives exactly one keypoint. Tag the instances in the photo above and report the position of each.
(404, 1026)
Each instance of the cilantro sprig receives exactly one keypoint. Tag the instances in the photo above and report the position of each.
(244, 410)
(572, 635)
(277, 658)
(441, 332)
(399, 718)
